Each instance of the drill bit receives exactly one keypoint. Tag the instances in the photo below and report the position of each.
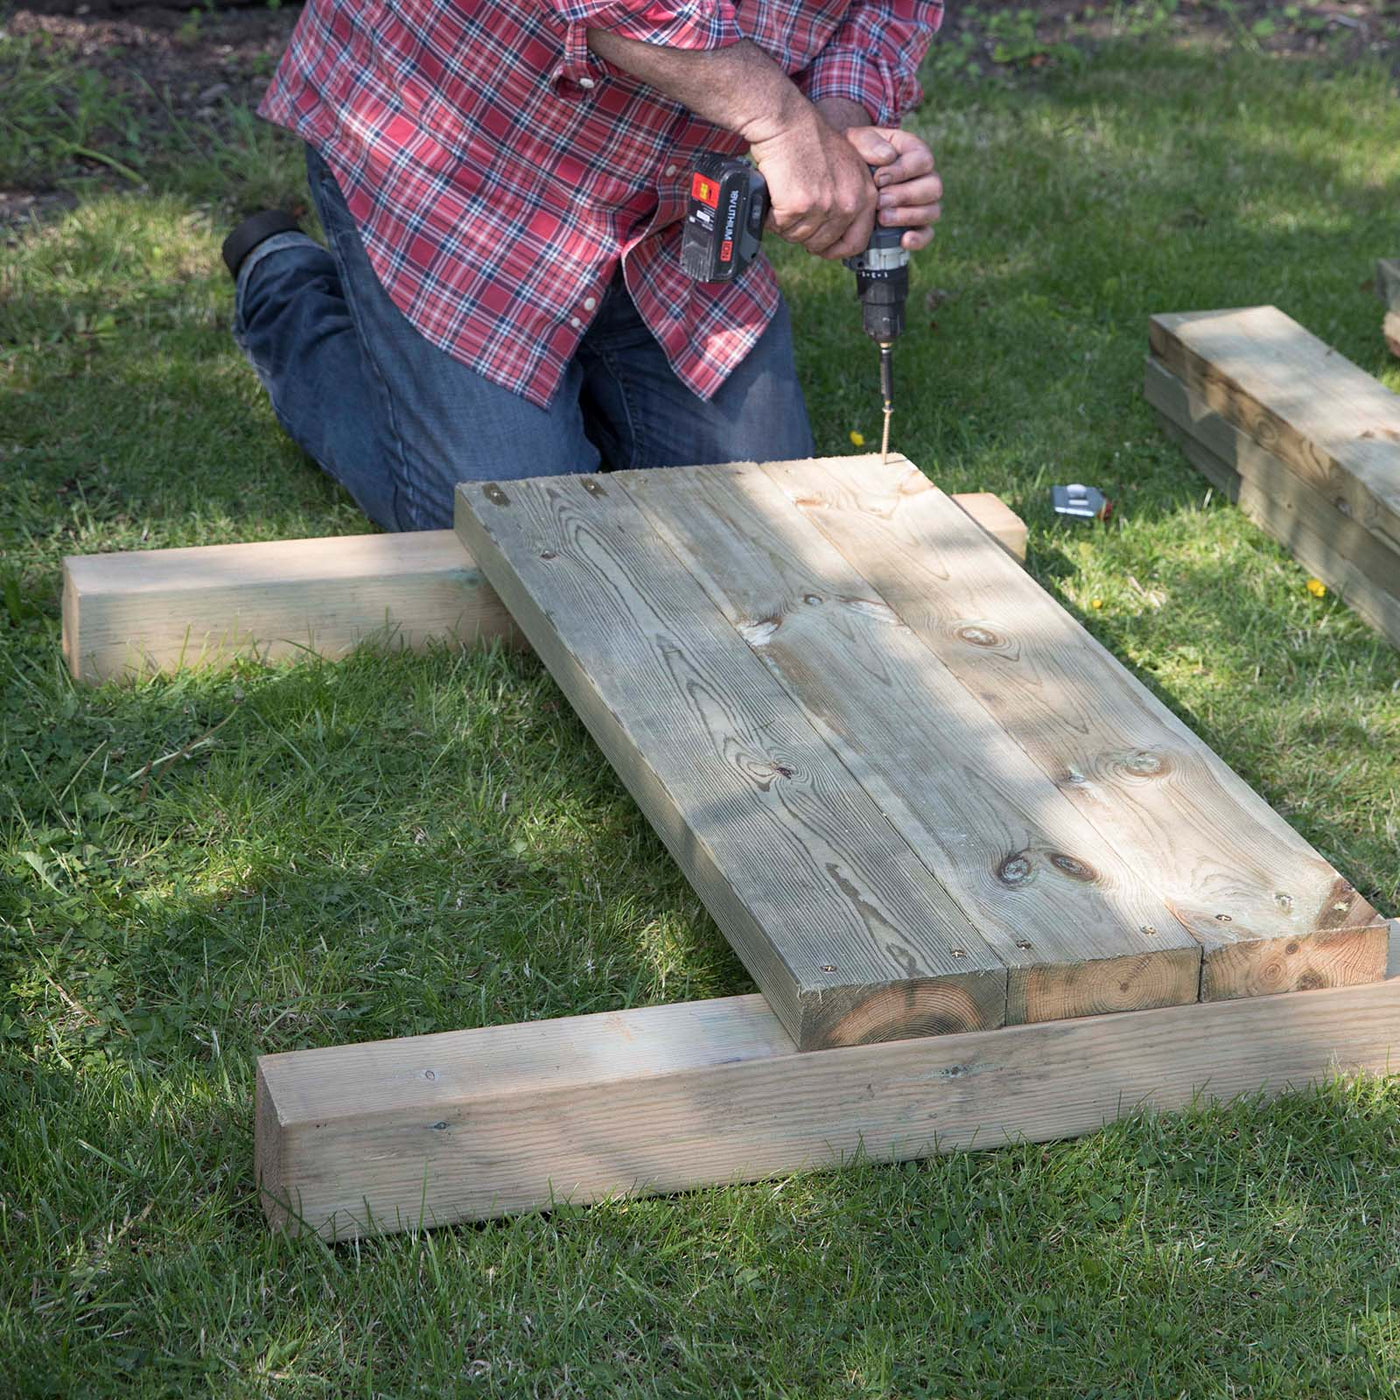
(886, 395)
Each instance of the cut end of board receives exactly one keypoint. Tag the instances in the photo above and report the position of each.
(866, 1015)
(268, 1139)
(1134, 983)
(1346, 957)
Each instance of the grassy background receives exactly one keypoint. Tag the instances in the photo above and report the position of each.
(403, 844)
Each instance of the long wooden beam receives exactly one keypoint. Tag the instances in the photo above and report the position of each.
(132, 614)
(1336, 426)
(1324, 539)
(470, 1125)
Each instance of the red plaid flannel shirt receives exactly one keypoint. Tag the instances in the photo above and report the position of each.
(498, 170)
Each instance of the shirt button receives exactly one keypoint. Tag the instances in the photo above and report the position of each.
(586, 83)
(670, 169)
(589, 303)
(575, 322)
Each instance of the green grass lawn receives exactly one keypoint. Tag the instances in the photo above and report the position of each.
(395, 845)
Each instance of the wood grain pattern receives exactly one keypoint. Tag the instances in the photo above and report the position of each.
(1335, 425)
(475, 1124)
(1347, 558)
(131, 614)
(1052, 899)
(142, 611)
(837, 919)
(1270, 913)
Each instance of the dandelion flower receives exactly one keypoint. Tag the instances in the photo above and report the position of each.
(1317, 588)
(1096, 603)
(857, 439)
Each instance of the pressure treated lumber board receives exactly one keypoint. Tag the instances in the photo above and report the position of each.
(1055, 902)
(1347, 558)
(157, 610)
(1334, 424)
(476, 1124)
(836, 918)
(1270, 913)
(130, 614)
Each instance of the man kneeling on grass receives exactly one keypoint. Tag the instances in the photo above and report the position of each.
(502, 185)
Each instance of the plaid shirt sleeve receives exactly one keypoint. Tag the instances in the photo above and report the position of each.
(681, 24)
(874, 57)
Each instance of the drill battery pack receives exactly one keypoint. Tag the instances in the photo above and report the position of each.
(724, 216)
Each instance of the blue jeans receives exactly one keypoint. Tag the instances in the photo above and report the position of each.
(399, 422)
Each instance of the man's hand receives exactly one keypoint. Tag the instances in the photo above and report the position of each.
(819, 185)
(821, 191)
(910, 190)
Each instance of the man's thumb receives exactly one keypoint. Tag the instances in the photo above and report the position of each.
(874, 149)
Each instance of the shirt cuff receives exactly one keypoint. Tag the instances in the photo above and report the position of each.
(850, 73)
(695, 25)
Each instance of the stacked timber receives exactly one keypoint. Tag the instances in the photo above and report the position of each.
(1388, 289)
(1302, 440)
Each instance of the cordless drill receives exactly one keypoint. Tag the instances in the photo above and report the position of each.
(727, 205)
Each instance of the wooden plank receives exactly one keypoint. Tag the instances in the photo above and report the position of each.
(836, 918)
(997, 519)
(135, 613)
(1052, 899)
(1347, 558)
(1390, 328)
(1334, 425)
(131, 614)
(470, 1125)
(1270, 913)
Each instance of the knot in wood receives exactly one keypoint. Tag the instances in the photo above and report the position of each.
(1145, 763)
(495, 495)
(1072, 866)
(978, 636)
(1015, 869)
(593, 487)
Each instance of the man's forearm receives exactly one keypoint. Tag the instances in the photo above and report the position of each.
(820, 191)
(842, 112)
(737, 87)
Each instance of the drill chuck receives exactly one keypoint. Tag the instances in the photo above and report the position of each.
(882, 284)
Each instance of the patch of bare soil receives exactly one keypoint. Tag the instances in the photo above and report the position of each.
(167, 61)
